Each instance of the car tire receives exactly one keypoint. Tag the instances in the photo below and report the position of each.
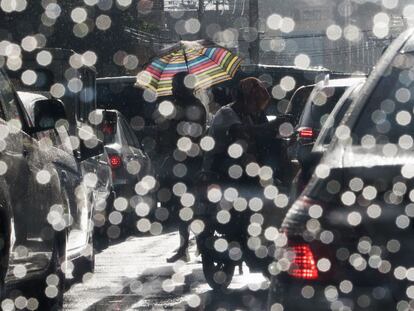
(84, 264)
(276, 296)
(52, 286)
(101, 240)
(4, 251)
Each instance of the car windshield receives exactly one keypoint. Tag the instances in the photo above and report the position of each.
(108, 128)
(387, 115)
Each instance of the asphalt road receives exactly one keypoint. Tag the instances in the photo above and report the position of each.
(134, 275)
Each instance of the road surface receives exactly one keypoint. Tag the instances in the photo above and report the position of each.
(134, 275)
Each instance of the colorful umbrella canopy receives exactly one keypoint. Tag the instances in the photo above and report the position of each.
(208, 63)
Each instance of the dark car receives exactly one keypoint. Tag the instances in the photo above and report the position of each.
(298, 101)
(133, 175)
(314, 112)
(32, 215)
(77, 196)
(349, 235)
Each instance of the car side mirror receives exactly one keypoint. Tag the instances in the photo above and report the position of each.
(47, 112)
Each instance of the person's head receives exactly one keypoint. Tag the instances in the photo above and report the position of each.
(253, 95)
(178, 85)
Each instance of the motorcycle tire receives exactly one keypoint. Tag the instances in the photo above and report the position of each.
(218, 274)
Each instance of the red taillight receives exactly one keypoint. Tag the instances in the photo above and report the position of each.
(306, 132)
(115, 161)
(303, 265)
(107, 129)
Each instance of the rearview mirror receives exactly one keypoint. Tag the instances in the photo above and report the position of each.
(46, 113)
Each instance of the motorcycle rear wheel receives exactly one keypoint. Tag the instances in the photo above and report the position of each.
(218, 274)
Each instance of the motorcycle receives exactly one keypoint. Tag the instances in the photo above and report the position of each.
(232, 236)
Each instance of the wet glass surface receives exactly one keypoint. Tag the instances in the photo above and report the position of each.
(164, 154)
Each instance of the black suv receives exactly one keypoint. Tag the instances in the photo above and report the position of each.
(349, 235)
(315, 110)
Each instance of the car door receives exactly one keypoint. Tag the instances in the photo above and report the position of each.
(76, 196)
(77, 209)
(33, 190)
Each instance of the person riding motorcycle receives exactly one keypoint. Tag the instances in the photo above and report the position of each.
(234, 129)
(231, 174)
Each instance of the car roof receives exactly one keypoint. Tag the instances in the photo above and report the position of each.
(344, 82)
(340, 82)
(113, 80)
(29, 97)
(110, 111)
(312, 111)
(278, 67)
(107, 110)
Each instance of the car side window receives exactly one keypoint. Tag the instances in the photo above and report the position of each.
(338, 115)
(336, 119)
(130, 136)
(320, 104)
(58, 137)
(8, 99)
(87, 99)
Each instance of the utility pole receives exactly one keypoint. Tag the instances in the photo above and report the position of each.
(254, 31)
(200, 16)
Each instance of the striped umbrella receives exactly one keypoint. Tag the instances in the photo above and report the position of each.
(208, 64)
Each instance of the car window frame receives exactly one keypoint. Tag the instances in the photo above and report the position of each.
(21, 113)
(328, 101)
(349, 95)
(127, 131)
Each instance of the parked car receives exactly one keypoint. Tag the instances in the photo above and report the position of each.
(77, 196)
(133, 175)
(314, 113)
(33, 217)
(349, 242)
(78, 108)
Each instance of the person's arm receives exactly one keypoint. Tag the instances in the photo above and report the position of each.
(270, 128)
(242, 134)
